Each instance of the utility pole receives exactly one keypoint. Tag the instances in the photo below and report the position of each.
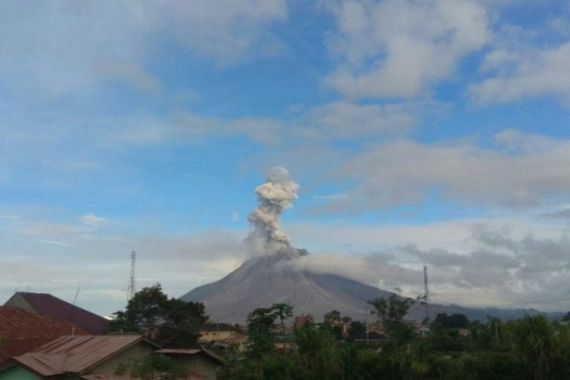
(426, 294)
(131, 290)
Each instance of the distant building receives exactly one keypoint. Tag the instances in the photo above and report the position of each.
(50, 306)
(21, 331)
(285, 346)
(464, 332)
(302, 320)
(223, 335)
(214, 332)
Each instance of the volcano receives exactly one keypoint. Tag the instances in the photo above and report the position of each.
(272, 276)
(263, 281)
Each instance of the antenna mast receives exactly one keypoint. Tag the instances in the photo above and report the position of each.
(76, 295)
(131, 289)
(426, 293)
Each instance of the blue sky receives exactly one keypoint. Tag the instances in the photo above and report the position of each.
(420, 132)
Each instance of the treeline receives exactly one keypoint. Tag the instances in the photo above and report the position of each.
(454, 348)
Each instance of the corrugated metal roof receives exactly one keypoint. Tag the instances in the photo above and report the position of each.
(76, 354)
(22, 332)
(183, 351)
(127, 377)
(102, 376)
(46, 304)
(190, 352)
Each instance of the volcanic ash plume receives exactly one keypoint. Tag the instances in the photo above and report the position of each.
(273, 196)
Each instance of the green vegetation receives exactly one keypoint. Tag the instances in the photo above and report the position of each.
(454, 348)
(170, 322)
(153, 367)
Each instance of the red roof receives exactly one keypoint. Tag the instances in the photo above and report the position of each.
(46, 304)
(21, 331)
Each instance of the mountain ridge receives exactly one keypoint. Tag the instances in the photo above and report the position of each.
(262, 281)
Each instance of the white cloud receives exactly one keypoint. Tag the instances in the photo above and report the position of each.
(225, 31)
(57, 258)
(398, 49)
(93, 220)
(519, 142)
(406, 172)
(343, 120)
(517, 74)
(331, 121)
(486, 262)
(60, 47)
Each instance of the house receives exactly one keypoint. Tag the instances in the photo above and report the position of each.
(21, 331)
(198, 363)
(104, 357)
(79, 357)
(217, 332)
(224, 336)
(302, 320)
(50, 306)
(463, 332)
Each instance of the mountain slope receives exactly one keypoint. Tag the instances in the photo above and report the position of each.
(266, 280)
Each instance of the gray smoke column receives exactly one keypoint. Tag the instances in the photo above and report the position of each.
(274, 196)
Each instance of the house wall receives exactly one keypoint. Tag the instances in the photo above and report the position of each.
(197, 364)
(212, 336)
(17, 373)
(134, 354)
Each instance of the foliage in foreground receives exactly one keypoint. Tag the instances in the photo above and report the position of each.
(170, 322)
(456, 349)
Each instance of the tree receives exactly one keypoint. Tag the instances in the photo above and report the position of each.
(152, 367)
(170, 322)
(333, 324)
(534, 340)
(144, 311)
(392, 310)
(391, 313)
(181, 323)
(282, 311)
(453, 321)
(319, 353)
(332, 318)
(357, 330)
(260, 322)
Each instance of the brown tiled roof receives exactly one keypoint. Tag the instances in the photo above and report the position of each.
(76, 354)
(21, 331)
(46, 304)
